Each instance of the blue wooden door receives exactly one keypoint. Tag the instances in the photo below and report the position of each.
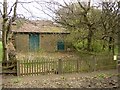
(60, 45)
(33, 42)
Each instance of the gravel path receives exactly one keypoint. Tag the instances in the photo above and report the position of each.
(98, 79)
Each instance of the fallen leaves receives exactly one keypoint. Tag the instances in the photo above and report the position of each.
(64, 81)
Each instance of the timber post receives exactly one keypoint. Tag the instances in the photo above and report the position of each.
(118, 69)
(59, 66)
(77, 65)
(18, 68)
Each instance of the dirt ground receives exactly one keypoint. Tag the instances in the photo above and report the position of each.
(97, 79)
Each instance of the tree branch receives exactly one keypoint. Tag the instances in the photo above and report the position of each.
(11, 8)
(1, 12)
(15, 11)
(27, 10)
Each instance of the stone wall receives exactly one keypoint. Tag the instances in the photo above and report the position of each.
(22, 42)
(48, 42)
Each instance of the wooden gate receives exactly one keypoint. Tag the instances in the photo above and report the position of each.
(45, 66)
(35, 67)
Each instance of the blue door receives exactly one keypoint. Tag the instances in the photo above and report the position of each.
(60, 45)
(33, 42)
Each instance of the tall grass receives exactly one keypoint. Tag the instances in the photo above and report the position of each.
(0, 51)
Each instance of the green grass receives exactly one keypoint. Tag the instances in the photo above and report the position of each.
(0, 51)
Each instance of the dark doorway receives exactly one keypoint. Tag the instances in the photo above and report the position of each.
(34, 42)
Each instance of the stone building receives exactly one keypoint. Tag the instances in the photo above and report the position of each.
(35, 36)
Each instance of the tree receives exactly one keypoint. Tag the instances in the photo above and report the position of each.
(78, 16)
(110, 22)
(87, 23)
(6, 26)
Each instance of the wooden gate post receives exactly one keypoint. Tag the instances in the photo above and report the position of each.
(60, 66)
(118, 68)
(18, 68)
(77, 65)
(95, 63)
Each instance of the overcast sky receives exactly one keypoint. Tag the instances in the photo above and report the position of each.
(34, 10)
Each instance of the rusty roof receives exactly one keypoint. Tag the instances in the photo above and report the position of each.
(29, 27)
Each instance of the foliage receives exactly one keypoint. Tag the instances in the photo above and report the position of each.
(92, 29)
(81, 21)
(109, 23)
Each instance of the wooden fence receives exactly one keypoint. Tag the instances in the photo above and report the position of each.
(60, 66)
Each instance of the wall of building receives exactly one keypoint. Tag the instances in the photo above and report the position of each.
(22, 42)
(47, 42)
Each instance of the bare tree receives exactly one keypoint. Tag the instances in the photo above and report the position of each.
(110, 22)
(6, 26)
(75, 15)
(79, 15)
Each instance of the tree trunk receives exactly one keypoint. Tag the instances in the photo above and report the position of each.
(4, 43)
(111, 45)
(89, 39)
(4, 31)
(103, 47)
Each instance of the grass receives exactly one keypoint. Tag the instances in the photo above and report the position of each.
(0, 51)
(16, 80)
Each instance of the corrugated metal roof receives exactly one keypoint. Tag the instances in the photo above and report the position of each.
(28, 27)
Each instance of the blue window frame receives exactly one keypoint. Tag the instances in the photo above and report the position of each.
(60, 46)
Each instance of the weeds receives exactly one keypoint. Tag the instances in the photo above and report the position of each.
(16, 80)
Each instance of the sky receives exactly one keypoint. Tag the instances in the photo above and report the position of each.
(35, 10)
